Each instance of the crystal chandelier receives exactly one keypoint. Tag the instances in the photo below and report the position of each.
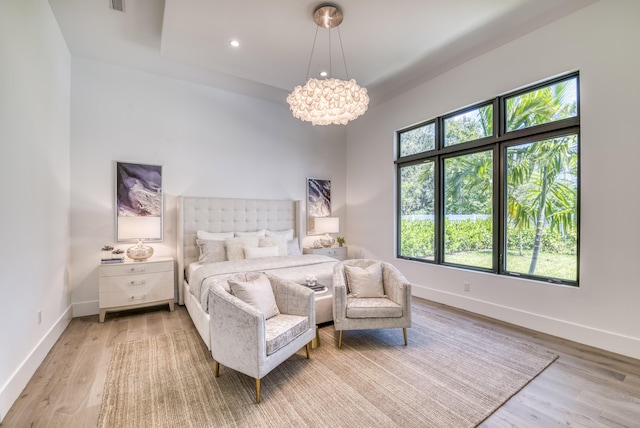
(328, 101)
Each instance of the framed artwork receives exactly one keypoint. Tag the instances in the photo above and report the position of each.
(139, 202)
(318, 201)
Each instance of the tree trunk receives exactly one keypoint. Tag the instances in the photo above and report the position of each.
(539, 223)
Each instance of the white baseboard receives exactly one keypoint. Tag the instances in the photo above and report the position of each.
(18, 380)
(610, 341)
(82, 309)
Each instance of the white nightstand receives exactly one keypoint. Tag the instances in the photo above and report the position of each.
(132, 284)
(339, 253)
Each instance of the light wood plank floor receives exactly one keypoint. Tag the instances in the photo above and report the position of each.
(584, 387)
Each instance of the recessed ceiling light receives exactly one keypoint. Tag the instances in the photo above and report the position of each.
(323, 73)
(234, 43)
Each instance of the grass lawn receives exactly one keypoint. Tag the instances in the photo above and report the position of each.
(561, 266)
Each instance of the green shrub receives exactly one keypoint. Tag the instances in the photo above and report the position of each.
(417, 238)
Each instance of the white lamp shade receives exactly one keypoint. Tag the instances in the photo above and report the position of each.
(147, 228)
(326, 225)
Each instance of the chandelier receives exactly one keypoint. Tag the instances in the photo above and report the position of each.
(328, 101)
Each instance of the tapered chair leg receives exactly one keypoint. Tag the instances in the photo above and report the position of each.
(340, 340)
(257, 391)
(404, 331)
(308, 347)
(217, 369)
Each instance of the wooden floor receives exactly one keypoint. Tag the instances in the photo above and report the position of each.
(584, 387)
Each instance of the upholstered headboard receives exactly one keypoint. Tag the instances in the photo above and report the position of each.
(228, 215)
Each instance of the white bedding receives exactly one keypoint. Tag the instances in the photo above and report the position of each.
(294, 268)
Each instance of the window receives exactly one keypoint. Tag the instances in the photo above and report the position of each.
(497, 193)
(468, 126)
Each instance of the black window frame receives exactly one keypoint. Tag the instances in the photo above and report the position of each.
(499, 142)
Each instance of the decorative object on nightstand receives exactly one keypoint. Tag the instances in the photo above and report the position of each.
(132, 285)
(340, 240)
(139, 228)
(327, 225)
(109, 255)
(338, 253)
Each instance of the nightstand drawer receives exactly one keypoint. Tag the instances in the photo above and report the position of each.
(338, 253)
(135, 268)
(143, 281)
(135, 295)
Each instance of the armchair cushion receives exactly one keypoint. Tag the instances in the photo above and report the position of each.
(282, 329)
(377, 307)
(365, 282)
(258, 293)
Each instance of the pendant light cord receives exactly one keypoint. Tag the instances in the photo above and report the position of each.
(344, 60)
(311, 57)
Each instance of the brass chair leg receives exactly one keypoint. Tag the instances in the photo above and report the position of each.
(404, 330)
(340, 340)
(217, 369)
(308, 347)
(257, 391)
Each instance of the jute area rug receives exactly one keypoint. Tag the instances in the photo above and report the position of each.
(452, 374)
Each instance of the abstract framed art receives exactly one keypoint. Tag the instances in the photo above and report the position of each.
(139, 202)
(318, 201)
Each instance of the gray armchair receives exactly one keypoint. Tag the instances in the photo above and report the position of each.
(243, 340)
(390, 308)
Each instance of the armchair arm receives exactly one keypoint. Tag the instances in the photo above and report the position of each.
(293, 299)
(237, 332)
(396, 286)
(339, 293)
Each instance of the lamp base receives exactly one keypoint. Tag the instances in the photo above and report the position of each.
(139, 252)
(327, 241)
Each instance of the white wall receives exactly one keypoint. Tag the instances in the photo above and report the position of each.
(210, 143)
(601, 42)
(34, 170)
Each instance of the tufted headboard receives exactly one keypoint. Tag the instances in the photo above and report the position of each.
(228, 215)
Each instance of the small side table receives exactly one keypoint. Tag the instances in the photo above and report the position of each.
(130, 285)
(338, 253)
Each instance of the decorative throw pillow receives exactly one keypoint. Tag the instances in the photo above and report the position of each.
(293, 247)
(276, 241)
(257, 252)
(365, 282)
(211, 251)
(214, 236)
(258, 233)
(286, 234)
(235, 246)
(258, 293)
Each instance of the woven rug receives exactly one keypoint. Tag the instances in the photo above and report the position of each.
(453, 373)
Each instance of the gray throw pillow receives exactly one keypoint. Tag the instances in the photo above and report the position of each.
(365, 282)
(211, 251)
(258, 293)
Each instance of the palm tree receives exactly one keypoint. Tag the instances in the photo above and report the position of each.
(544, 172)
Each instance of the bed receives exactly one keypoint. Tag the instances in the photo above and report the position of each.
(206, 224)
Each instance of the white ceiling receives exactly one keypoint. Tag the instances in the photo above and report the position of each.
(389, 46)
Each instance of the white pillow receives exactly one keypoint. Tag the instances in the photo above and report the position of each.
(258, 293)
(211, 251)
(276, 241)
(257, 252)
(259, 233)
(286, 234)
(214, 236)
(365, 282)
(235, 246)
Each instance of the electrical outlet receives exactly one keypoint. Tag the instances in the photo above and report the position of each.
(467, 286)
(39, 317)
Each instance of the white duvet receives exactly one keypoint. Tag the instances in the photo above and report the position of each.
(293, 268)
